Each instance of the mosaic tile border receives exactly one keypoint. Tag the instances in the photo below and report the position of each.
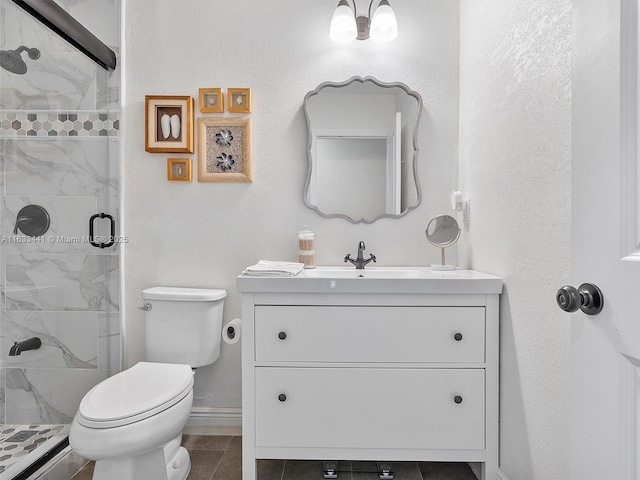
(17, 441)
(47, 124)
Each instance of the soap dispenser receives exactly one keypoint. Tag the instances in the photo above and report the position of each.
(306, 247)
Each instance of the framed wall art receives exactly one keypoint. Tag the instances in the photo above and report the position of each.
(224, 149)
(168, 124)
(239, 100)
(210, 100)
(179, 169)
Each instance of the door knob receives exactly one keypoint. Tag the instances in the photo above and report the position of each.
(587, 297)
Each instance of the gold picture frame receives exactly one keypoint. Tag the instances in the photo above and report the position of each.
(168, 124)
(239, 100)
(211, 100)
(179, 169)
(224, 149)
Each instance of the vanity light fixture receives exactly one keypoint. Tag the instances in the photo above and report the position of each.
(346, 25)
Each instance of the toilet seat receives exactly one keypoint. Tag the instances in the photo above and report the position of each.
(135, 394)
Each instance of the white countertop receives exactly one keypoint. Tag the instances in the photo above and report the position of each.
(340, 279)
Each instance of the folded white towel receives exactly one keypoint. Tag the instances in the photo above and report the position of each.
(267, 268)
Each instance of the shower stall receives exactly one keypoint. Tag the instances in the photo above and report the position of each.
(59, 208)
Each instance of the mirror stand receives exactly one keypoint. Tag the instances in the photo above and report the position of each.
(442, 232)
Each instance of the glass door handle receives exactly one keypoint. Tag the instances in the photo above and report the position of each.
(112, 230)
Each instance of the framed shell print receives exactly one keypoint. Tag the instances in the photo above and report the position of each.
(168, 124)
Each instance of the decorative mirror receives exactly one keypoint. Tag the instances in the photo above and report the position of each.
(363, 149)
(442, 232)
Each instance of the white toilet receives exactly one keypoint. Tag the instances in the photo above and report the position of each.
(131, 424)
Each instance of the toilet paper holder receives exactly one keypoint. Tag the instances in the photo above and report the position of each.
(231, 331)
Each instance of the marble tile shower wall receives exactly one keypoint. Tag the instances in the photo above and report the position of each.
(59, 148)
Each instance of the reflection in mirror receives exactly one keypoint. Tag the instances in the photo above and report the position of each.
(443, 231)
(362, 149)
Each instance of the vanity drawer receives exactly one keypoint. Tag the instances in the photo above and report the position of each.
(369, 334)
(370, 408)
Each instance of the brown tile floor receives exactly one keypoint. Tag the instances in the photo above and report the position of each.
(220, 458)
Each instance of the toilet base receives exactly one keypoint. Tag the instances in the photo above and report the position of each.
(170, 462)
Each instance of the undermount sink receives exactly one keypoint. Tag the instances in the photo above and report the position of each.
(369, 272)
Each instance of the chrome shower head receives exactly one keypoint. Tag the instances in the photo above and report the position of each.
(11, 60)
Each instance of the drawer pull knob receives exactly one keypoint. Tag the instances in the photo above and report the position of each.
(458, 337)
(457, 399)
(282, 397)
(282, 335)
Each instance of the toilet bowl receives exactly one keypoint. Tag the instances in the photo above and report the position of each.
(131, 423)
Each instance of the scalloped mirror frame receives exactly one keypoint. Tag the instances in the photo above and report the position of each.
(414, 168)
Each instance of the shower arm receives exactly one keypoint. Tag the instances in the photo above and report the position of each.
(33, 53)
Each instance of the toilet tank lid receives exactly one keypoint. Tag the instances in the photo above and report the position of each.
(183, 294)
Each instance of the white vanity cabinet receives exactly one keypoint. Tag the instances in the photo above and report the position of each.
(354, 373)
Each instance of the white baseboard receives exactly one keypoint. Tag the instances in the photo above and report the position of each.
(215, 421)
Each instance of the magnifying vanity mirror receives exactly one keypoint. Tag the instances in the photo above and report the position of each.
(443, 231)
(363, 149)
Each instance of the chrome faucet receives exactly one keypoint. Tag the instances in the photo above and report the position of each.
(360, 262)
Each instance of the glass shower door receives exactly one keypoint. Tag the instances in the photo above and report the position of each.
(59, 151)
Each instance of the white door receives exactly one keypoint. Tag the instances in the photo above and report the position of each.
(605, 348)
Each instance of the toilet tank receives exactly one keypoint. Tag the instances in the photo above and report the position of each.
(183, 325)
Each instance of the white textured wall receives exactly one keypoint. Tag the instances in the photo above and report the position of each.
(204, 234)
(515, 133)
